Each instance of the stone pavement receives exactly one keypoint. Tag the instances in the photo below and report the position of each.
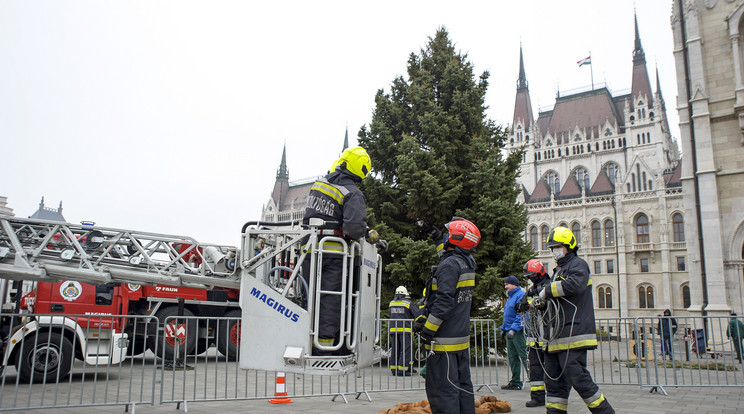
(625, 399)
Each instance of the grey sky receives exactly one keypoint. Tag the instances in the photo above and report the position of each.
(170, 116)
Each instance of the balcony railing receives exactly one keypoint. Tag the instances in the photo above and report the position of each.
(642, 247)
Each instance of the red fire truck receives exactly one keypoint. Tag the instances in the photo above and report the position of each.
(103, 294)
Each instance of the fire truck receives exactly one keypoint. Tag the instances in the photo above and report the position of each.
(84, 276)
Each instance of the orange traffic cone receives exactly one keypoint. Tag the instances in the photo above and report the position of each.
(281, 390)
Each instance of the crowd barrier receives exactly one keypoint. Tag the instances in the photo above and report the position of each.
(167, 366)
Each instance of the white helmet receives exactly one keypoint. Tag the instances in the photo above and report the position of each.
(401, 290)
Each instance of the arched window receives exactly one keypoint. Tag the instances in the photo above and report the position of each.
(533, 238)
(544, 233)
(554, 182)
(678, 225)
(645, 297)
(576, 230)
(609, 233)
(604, 297)
(596, 234)
(686, 296)
(642, 229)
(612, 172)
(582, 176)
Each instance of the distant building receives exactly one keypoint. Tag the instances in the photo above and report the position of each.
(47, 213)
(288, 199)
(708, 50)
(4, 209)
(605, 166)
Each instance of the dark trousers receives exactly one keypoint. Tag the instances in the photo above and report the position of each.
(329, 318)
(401, 356)
(537, 383)
(516, 352)
(738, 347)
(443, 373)
(567, 369)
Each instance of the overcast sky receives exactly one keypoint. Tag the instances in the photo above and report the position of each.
(170, 116)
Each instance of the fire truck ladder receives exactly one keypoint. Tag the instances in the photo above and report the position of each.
(41, 250)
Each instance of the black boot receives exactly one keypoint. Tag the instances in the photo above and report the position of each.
(533, 403)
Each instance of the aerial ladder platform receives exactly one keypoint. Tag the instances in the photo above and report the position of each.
(277, 269)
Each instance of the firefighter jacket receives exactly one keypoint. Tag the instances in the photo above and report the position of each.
(571, 286)
(448, 303)
(530, 317)
(402, 311)
(337, 198)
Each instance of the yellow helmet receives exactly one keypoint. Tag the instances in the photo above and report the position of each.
(561, 236)
(357, 161)
(335, 164)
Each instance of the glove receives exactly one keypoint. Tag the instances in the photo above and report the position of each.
(418, 324)
(372, 236)
(426, 337)
(532, 291)
(503, 334)
(510, 334)
(522, 307)
(382, 245)
(539, 304)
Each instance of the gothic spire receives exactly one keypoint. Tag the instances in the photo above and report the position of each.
(641, 85)
(522, 81)
(346, 139)
(283, 173)
(522, 102)
(638, 55)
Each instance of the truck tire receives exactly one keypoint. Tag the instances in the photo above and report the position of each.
(228, 336)
(168, 345)
(46, 357)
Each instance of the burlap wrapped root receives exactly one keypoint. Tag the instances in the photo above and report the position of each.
(483, 405)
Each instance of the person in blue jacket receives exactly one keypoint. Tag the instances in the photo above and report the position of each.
(512, 330)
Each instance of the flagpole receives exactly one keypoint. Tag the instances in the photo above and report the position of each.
(591, 68)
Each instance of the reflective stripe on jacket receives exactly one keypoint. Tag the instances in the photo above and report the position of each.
(451, 295)
(571, 285)
(337, 198)
(402, 308)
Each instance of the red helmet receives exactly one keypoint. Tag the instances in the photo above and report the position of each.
(533, 267)
(463, 233)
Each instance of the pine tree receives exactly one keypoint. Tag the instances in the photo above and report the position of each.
(435, 155)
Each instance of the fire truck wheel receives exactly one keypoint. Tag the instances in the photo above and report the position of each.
(45, 358)
(228, 339)
(136, 346)
(176, 340)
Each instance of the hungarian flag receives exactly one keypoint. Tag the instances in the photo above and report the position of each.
(586, 61)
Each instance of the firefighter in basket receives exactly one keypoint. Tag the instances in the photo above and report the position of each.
(568, 312)
(446, 330)
(336, 199)
(534, 271)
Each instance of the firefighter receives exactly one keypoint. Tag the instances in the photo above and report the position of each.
(568, 340)
(337, 200)
(534, 271)
(446, 330)
(401, 355)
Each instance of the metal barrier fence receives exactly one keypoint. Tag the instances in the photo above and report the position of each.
(197, 360)
(668, 351)
(209, 376)
(53, 361)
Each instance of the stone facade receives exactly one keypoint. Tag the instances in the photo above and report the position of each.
(4, 209)
(709, 58)
(607, 167)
